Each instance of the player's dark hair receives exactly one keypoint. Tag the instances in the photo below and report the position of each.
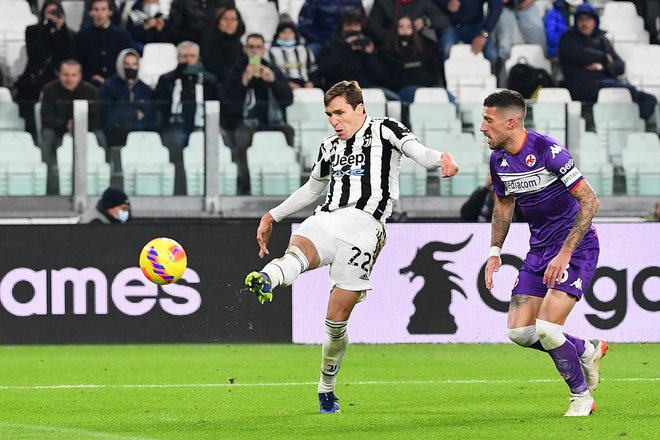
(506, 99)
(350, 90)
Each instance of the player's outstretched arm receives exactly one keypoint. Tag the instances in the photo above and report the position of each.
(448, 164)
(588, 206)
(502, 217)
(263, 233)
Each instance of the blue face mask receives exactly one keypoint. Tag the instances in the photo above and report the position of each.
(122, 216)
(285, 43)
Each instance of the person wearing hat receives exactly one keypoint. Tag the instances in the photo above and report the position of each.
(557, 21)
(293, 58)
(589, 63)
(112, 207)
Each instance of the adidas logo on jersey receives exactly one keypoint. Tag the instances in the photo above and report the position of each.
(364, 277)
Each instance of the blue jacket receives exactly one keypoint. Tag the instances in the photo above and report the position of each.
(318, 19)
(555, 25)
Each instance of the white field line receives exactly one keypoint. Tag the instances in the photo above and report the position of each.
(290, 384)
(69, 432)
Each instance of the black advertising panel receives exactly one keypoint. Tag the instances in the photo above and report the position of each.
(83, 284)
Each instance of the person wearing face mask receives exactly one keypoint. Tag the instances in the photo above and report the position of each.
(126, 101)
(293, 58)
(48, 43)
(113, 207)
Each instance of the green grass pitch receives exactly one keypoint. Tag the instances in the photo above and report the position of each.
(138, 392)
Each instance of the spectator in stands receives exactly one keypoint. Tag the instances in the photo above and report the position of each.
(57, 113)
(479, 206)
(293, 58)
(221, 47)
(654, 216)
(189, 19)
(100, 44)
(590, 63)
(257, 94)
(126, 101)
(116, 7)
(180, 94)
(557, 21)
(384, 13)
(148, 24)
(113, 207)
(48, 43)
(468, 25)
(412, 60)
(351, 55)
(318, 21)
(529, 18)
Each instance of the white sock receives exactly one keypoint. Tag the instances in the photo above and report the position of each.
(284, 271)
(334, 347)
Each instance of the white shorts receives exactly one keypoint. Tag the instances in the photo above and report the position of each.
(349, 240)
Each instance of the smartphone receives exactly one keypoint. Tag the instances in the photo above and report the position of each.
(255, 60)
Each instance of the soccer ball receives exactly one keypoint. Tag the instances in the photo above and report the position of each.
(163, 261)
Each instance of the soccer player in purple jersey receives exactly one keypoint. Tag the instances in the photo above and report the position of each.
(537, 172)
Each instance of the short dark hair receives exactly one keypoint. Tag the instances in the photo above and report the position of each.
(255, 35)
(505, 99)
(111, 5)
(351, 16)
(350, 90)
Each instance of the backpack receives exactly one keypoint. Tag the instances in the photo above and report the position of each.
(528, 80)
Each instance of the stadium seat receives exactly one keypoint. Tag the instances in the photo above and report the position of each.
(260, 17)
(614, 121)
(470, 157)
(468, 72)
(5, 94)
(641, 162)
(313, 134)
(146, 166)
(22, 171)
(375, 102)
(412, 178)
(550, 118)
(10, 118)
(595, 164)
(614, 95)
(74, 11)
(307, 108)
(472, 98)
(643, 68)
(431, 111)
(193, 163)
(157, 59)
(98, 170)
(272, 165)
(531, 54)
(461, 50)
(554, 94)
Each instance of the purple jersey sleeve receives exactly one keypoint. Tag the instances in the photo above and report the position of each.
(559, 161)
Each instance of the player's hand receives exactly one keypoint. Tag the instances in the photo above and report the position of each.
(263, 233)
(492, 265)
(448, 164)
(555, 270)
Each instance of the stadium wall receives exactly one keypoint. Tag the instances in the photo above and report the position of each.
(81, 284)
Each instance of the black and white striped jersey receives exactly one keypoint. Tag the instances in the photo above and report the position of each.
(297, 63)
(364, 170)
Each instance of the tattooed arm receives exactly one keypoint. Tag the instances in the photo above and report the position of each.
(588, 206)
(502, 217)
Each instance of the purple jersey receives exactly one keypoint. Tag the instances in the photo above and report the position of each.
(540, 177)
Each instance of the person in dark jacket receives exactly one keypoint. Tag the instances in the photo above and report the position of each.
(189, 19)
(113, 207)
(318, 20)
(100, 44)
(468, 25)
(221, 47)
(351, 55)
(589, 62)
(557, 21)
(126, 103)
(384, 13)
(147, 23)
(57, 113)
(48, 43)
(257, 94)
(181, 94)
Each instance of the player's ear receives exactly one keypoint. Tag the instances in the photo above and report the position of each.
(360, 107)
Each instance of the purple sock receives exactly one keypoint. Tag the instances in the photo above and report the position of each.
(577, 342)
(568, 364)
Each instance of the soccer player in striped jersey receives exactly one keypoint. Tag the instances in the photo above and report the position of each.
(539, 174)
(361, 163)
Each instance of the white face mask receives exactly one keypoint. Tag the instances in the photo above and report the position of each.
(151, 9)
(122, 216)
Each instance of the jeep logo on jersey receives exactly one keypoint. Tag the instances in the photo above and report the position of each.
(129, 292)
(356, 159)
(432, 302)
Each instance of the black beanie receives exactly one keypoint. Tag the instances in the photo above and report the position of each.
(112, 197)
(286, 25)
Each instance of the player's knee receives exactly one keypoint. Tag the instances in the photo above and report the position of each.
(550, 334)
(299, 255)
(335, 330)
(523, 336)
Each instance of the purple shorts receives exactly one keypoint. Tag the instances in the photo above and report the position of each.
(575, 279)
